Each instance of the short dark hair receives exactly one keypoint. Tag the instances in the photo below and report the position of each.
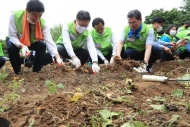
(83, 15)
(167, 31)
(96, 21)
(35, 5)
(158, 20)
(187, 22)
(134, 13)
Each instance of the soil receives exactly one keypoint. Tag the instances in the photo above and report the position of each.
(37, 107)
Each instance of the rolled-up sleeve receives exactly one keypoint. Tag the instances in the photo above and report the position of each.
(150, 37)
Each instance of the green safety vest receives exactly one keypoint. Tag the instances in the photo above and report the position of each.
(183, 28)
(104, 41)
(139, 44)
(1, 49)
(172, 39)
(180, 35)
(18, 15)
(77, 40)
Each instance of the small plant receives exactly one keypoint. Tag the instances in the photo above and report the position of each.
(3, 74)
(52, 87)
(177, 93)
(105, 119)
(13, 96)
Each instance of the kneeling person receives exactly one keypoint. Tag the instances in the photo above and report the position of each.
(73, 39)
(105, 41)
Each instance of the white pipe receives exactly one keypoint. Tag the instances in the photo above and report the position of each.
(154, 78)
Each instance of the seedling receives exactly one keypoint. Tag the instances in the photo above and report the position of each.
(132, 123)
(3, 74)
(52, 87)
(105, 118)
(177, 93)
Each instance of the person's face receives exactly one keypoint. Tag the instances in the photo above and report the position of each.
(134, 23)
(157, 25)
(81, 23)
(173, 28)
(186, 25)
(99, 28)
(34, 16)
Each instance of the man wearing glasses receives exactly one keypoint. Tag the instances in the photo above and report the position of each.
(136, 42)
(73, 39)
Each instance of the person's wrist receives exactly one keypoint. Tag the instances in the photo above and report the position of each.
(145, 62)
(73, 57)
(95, 62)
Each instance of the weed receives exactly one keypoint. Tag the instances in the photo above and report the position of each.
(52, 87)
(3, 74)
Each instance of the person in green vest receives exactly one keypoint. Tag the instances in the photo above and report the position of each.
(136, 42)
(168, 36)
(183, 49)
(186, 26)
(2, 59)
(105, 41)
(74, 38)
(28, 31)
(157, 24)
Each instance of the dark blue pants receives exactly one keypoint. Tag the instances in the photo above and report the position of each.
(139, 56)
(81, 53)
(13, 51)
(2, 61)
(166, 56)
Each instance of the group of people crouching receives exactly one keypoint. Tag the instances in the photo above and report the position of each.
(138, 41)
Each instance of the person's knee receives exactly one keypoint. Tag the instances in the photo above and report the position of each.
(129, 53)
(41, 45)
(86, 53)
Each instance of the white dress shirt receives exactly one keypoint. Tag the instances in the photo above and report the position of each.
(12, 33)
(68, 46)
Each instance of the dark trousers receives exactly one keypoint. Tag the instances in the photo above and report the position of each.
(13, 51)
(132, 54)
(184, 55)
(108, 57)
(81, 53)
(166, 56)
(2, 61)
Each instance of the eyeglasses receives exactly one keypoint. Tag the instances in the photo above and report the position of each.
(133, 22)
(82, 24)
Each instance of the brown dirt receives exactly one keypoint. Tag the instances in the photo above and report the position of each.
(56, 110)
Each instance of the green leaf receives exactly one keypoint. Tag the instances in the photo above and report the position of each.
(133, 124)
(48, 82)
(113, 114)
(60, 86)
(4, 109)
(177, 93)
(128, 91)
(106, 123)
(105, 114)
(160, 99)
(185, 77)
(119, 99)
(159, 107)
(188, 106)
(52, 89)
